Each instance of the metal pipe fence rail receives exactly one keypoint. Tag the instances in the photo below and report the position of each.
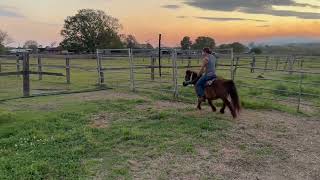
(25, 65)
(303, 69)
(137, 69)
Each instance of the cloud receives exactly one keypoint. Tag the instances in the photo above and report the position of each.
(263, 26)
(182, 17)
(256, 7)
(171, 6)
(6, 11)
(229, 19)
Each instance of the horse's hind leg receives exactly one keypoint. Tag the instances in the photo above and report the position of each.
(233, 112)
(199, 105)
(223, 108)
(214, 109)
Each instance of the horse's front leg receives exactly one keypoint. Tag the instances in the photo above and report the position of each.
(222, 110)
(214, 109)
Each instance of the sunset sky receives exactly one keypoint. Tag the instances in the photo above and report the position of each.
(273, 21)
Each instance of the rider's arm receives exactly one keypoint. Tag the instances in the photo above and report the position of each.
(204, 66)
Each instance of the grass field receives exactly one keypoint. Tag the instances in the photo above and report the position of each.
(119, 135)
(84, 77)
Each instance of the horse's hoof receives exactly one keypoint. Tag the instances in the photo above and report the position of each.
(222, 112)
(214, 110)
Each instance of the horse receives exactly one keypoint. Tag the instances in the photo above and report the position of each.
(219, 89)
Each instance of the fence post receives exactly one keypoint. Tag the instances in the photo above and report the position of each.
(100, 70)
(175, 73)
(18, 64)
(300, 88)
(232, 65)
(153, 60)
(291, 59)
(39, 67)
(266, 63)
(253, 64)
(68, 70)
(286, 64)
(26, 75)
(133, 88)
(277, 63)
(236, 67)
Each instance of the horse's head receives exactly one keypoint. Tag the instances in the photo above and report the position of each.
(190, 78)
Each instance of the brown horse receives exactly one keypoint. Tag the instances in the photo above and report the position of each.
(220, 89)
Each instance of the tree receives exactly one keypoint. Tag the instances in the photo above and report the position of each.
(238, 47)
(252, 45)
(186, 43)
(2, 49)
(202, 42)
(31, 44)
(256, 50)
(53, 44)
(149, 46)
(131, 42)
(5, 39)
(89, 30)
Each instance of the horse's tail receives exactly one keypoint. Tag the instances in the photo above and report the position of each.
(232, 90)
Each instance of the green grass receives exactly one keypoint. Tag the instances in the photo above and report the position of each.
(61, 144)
(52, 137)
(86, 79)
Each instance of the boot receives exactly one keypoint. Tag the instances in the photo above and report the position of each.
(202, 99)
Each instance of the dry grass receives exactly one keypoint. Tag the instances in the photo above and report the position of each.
(261, 145)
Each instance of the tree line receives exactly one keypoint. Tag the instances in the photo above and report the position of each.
(90, 29)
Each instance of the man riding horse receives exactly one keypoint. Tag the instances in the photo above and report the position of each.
(207, 73)
(218, 88)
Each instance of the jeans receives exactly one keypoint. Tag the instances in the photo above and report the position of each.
(201, 84)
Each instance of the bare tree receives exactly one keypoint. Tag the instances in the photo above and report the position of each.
(31, 44)
(5, 39)
(53, 44)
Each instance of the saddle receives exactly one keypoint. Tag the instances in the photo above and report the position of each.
(210, 82)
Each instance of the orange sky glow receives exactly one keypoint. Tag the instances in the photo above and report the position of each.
(42, 20)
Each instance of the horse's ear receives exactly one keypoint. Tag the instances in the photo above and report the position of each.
(188, 72)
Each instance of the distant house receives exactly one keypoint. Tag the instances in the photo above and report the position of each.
(19, 50)
(51, 50)
(144, 46)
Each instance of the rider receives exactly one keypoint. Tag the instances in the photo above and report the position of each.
(207, 72)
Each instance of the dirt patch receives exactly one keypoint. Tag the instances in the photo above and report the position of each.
(101, 120)
(58, 101)
(261, 145)
(104, 95)
(164, 105)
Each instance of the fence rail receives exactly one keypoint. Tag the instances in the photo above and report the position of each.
(140, 68)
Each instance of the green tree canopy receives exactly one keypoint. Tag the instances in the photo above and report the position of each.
(186, 43)
(236, 46)
(202, 42)
(256, 50)
(89, 30)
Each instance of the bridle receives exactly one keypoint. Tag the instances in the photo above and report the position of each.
(191, 81)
